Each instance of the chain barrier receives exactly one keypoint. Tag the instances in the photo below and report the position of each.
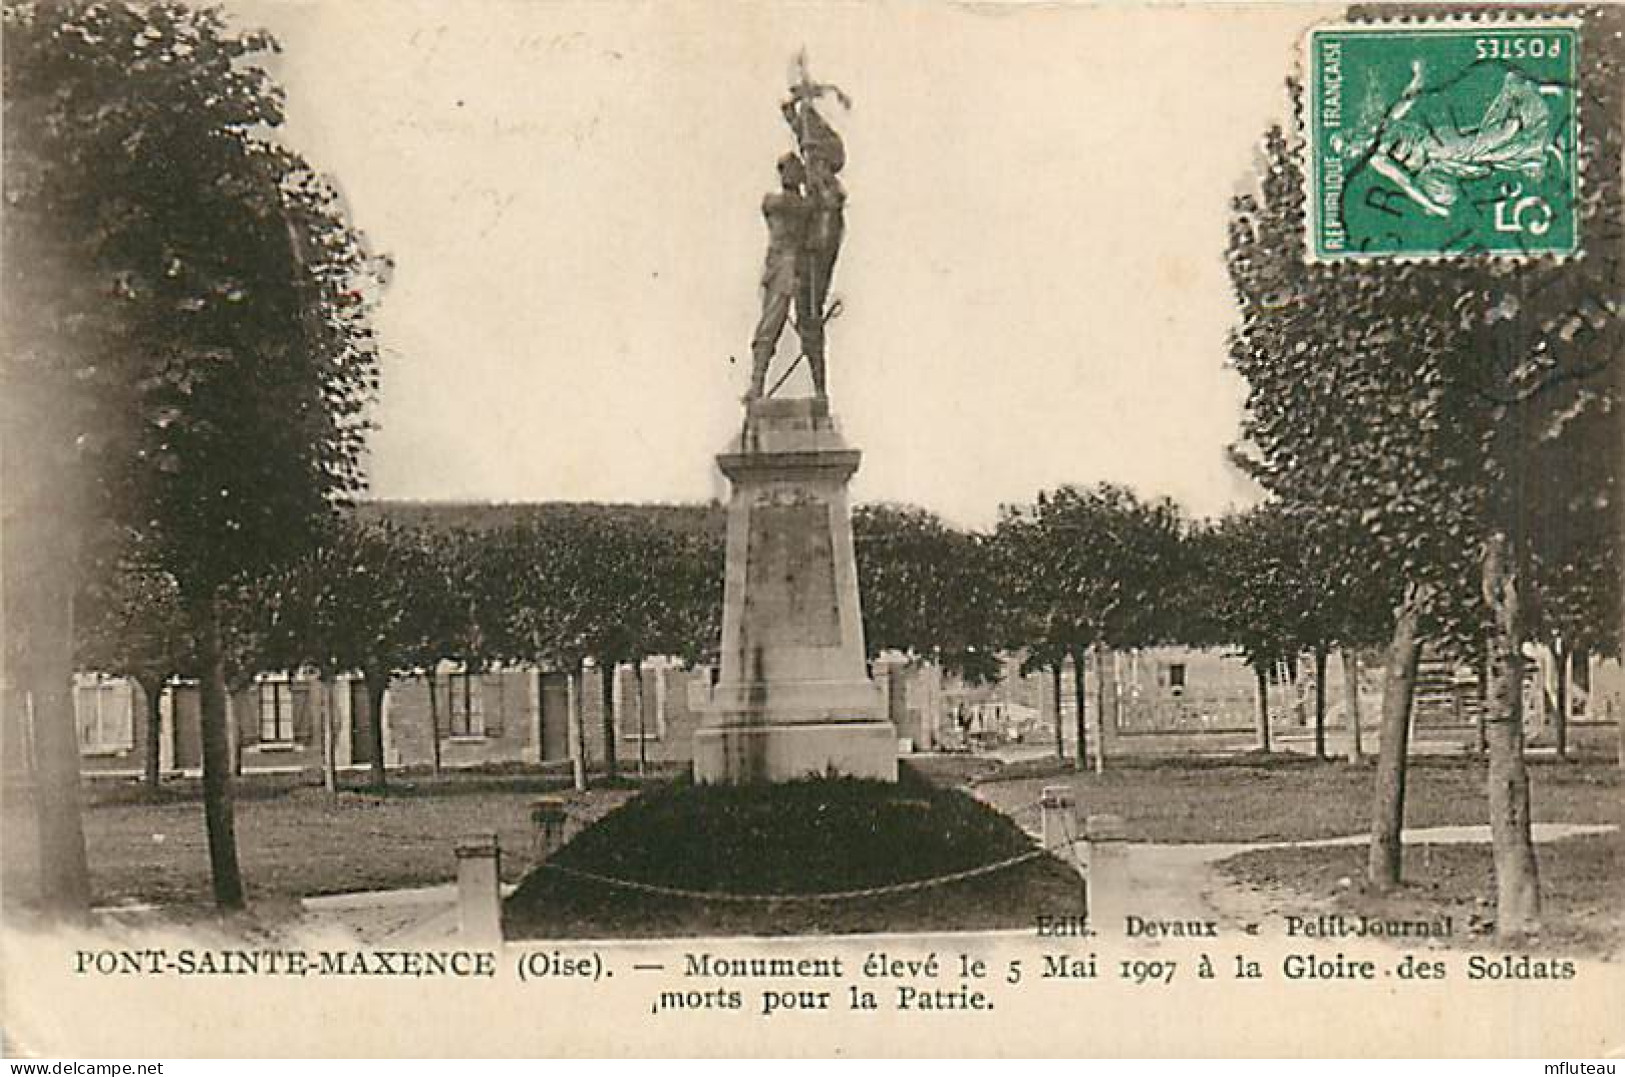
(838, 895)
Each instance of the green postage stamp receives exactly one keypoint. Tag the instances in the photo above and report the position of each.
(1431, 140)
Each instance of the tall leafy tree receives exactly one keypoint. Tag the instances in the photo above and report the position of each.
(1575, 550)
(688, 620)
(435, 625)
(1087, 568)
(584, 583)
(928, 589)
(1414, 397)
(556, 617)
(354, 603)
(208, 310)
(133, 626)
(1279, 580)
(1257, 601)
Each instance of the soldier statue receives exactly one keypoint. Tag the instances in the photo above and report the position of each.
(805, 221)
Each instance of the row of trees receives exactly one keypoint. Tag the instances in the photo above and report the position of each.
(1462, 418)
(1077, 572)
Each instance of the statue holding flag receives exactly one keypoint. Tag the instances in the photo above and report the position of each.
(805, 221)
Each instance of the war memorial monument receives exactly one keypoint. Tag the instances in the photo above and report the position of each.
(794, 698)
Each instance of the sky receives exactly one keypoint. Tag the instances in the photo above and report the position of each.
(1033, 280)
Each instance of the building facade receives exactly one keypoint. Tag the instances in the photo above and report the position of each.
(495, 716)
(1153, 701)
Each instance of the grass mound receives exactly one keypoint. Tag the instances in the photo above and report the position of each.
(821, 835)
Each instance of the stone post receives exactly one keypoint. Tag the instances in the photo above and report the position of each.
(166, 729)
(479, 894)
(1107, 868)
(549, 815)
(1058, 814)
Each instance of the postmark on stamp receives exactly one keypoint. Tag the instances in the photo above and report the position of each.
(1446, 139)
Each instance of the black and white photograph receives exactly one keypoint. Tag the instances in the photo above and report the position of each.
(563, 529)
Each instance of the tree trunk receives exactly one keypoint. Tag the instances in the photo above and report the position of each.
(1517, 879)
(1055, 684)
(643, 733)
(1261, 678)
(1078, 660)
(1483, 700)
(43, 513)
(234, 735)
(377, 682)
(576, 729)
(1388, 793)
(152, 688)
(1560, 719)
(18, 877)
(64, 875)
(1320, 702)
(330, 747)
(1103, 662)
(1619, 564)
(606, 691)
(1351, 702)
(435, 760)
(218, 812)
(1619, 733)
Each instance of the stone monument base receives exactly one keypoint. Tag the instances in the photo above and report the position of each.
(794, 698)
(786, 753)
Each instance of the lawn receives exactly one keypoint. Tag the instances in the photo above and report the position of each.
(1579, 876)
(1284, 798)
(293, 841)
(811, 837)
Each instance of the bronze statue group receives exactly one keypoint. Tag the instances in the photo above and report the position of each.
(805, 218)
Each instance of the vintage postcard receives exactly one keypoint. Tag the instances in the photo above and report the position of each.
(563, 528)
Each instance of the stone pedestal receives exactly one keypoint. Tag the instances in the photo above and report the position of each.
(794, 698)
(479, 890)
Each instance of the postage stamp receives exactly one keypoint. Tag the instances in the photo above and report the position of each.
(1443, 139)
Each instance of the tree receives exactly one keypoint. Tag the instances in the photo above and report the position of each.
(562, 610)
(1411, 397)
(136, 628)
(928, 589)
(436, 618)
(1344, 412)
(209, 311)
(1029, 621)
(620, 599)
(682, 618)
(688, 620)
(1258, 605)
(1089, 568)
(1575, 548)
(647, 590)
(355, 602)
(1346, 597)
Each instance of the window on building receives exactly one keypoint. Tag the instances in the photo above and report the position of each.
(276, 711)
(641, 704)
(102, 711)
(465, 711)
(1176, 678)
(1580, 673)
